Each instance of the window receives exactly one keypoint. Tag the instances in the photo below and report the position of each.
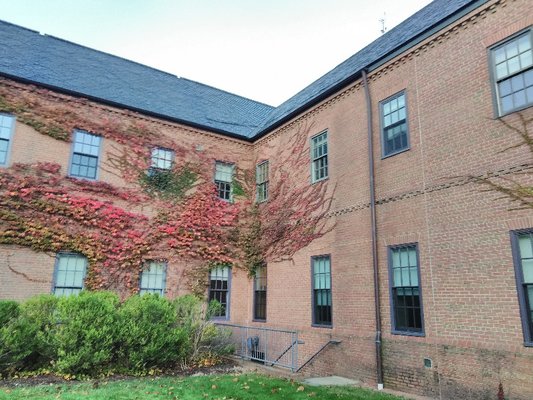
(162, 159)
(321, 290)
(86, 151)
(219, 289)
(394, 125)
(223, 180)
(405, 290)
(153, 278)
(319, 157)
(260, 293)
(512, 68)
(261, 181)
(69, 273)
(522, 242)
(6, 131)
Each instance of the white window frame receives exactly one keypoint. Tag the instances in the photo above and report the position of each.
(68, 288)
(316, 159)
(262, 181)
(220, 274)
(81, 153)
(7, 131)
(164, 163)
(219, 182)
(152, 280)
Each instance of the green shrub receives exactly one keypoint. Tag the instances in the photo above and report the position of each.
(149, 337)
(87, 333)
(9, 310)
(28, 341)
(92, 333)
(204, 339)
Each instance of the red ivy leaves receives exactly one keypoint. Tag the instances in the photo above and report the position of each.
(41, 209)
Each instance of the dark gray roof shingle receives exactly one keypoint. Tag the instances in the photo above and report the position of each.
(53, 62)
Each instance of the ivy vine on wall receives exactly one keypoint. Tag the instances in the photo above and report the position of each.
(174, 213)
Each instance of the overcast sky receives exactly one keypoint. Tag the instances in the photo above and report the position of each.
(265, 50)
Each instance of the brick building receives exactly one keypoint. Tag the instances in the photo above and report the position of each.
(415, 256)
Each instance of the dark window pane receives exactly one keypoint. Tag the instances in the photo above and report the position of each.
(505, 87)
(219, 288)
(322, 291)
(407, 307)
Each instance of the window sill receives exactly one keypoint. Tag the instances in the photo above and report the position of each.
(322, 326)
(395, 153)
(513, 111)
(219, 318)
(320, 180)
(82, 178)
(408, 333)
(263, 321)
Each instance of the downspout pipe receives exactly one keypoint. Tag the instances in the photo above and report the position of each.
(372, 187)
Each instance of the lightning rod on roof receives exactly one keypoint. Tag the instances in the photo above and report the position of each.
(383, 27)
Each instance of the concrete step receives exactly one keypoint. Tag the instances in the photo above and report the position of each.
(330, 381)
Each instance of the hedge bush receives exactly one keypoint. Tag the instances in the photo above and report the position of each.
(93, 334)
(28, 342)
(86, 333)
(149, 336)
(9, 310)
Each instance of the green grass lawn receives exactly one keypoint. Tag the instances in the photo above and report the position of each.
(220, 387)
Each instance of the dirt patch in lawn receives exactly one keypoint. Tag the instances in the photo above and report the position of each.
(227, 367)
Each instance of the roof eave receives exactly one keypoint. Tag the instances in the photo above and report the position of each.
(127, 107)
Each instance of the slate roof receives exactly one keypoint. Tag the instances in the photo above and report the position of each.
(60, 64)
(29, 56)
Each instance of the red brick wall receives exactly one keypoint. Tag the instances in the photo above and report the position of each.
(30, 146)
(472, 324)
(24, 273)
